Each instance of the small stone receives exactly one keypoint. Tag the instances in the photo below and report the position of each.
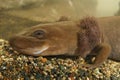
(97, 73)
(22, 67)
(64, 78)
(113, 77)
(45, 73)
(1, 76)
(38, 76)
(61, 67)
(44, 60)
(26, 78)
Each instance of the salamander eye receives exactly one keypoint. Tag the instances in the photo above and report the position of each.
(38, 34)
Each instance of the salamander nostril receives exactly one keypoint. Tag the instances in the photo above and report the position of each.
(11, 41)
(17, 42)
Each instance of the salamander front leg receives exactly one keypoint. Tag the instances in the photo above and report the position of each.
(102, 52)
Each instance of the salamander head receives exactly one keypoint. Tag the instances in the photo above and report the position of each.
(46, 39)
(58, 38)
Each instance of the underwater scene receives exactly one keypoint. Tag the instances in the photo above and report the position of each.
(59, 40)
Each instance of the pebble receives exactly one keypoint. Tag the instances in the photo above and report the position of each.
(1, 76)
(97, 73)
(21, 67)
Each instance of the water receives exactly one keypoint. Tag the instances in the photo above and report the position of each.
(15, 15)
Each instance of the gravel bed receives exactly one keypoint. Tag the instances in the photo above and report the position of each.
(14, 66)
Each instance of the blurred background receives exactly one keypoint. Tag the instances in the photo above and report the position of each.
(16, 15)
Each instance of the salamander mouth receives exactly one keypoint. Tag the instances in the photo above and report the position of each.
(29, 46)
(36, 51)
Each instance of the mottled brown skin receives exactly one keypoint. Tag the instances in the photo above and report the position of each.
(79, 38)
